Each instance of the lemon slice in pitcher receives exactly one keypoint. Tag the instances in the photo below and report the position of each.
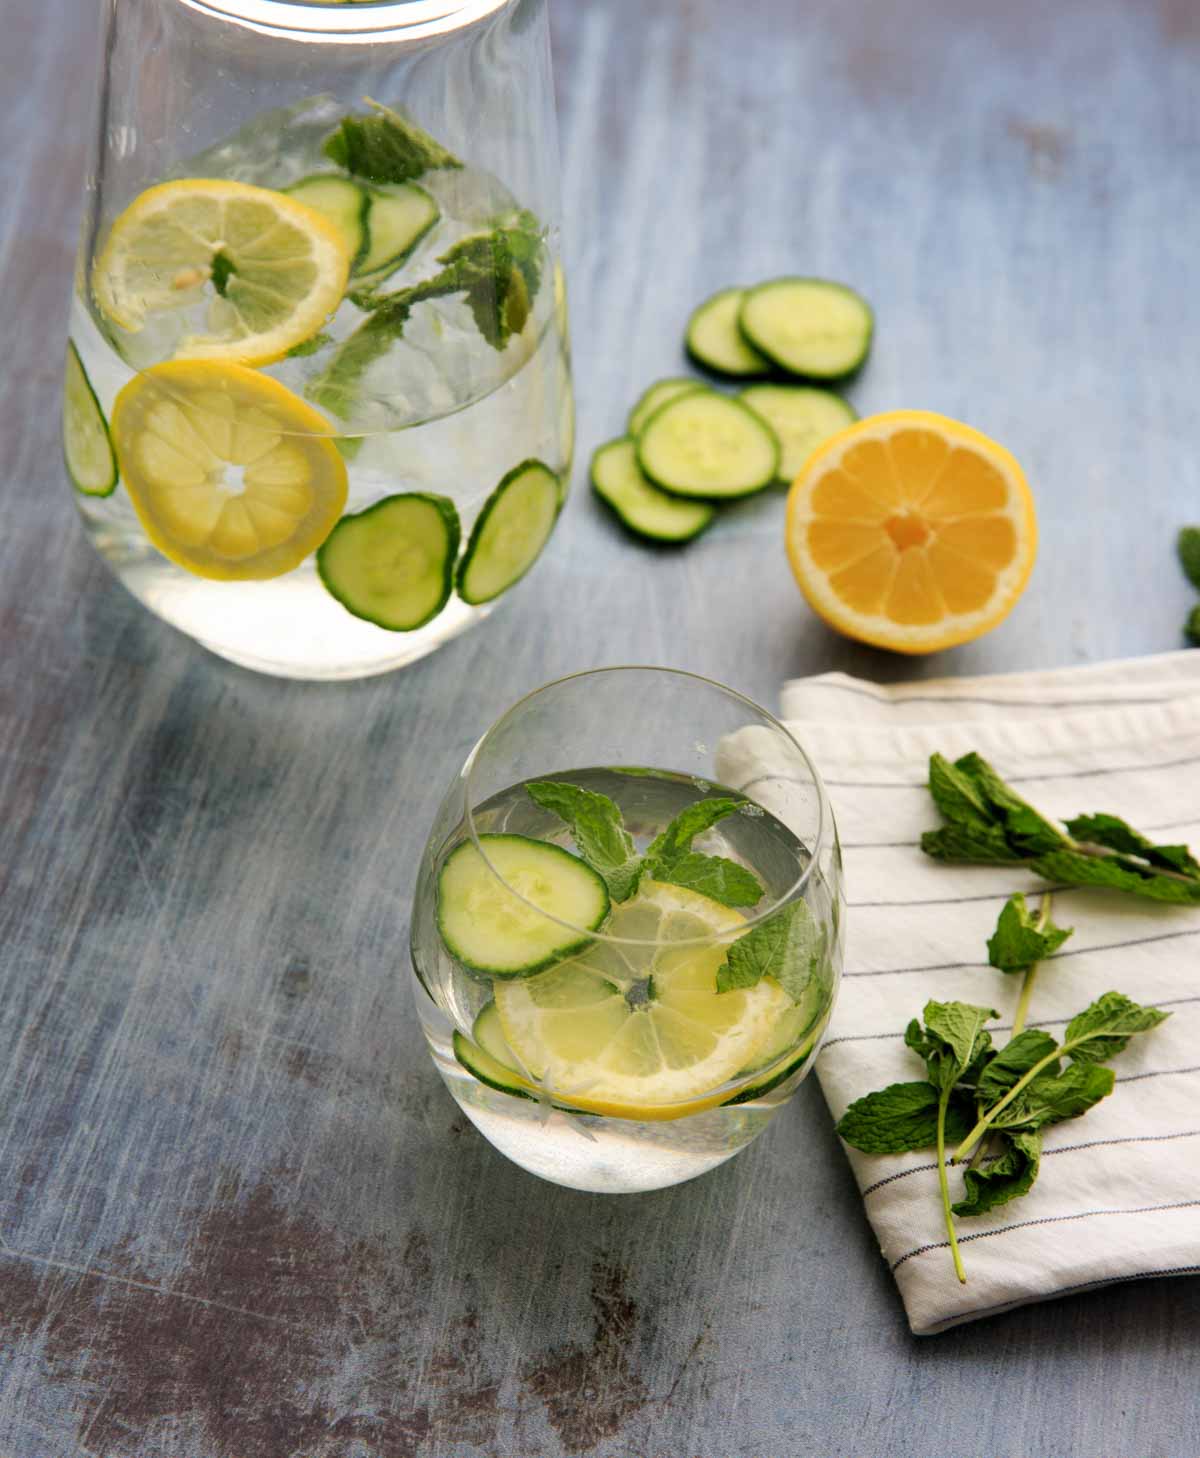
(269, 269)
(636, 1029)
(232, 476)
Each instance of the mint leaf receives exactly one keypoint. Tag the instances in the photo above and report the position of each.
(899, 1118)
(969, 843)
(1115, 834)
(1052, 1097)
(1018, 941)
(1188, 547)
(1026, 830)
(1006, 1178)
(386, 147)
(957, 796)
(1191, 627)
(787, 946)
(1012, 1062)
(310, 345)
(497, 272)
(1103, 1029)
(222, 271)
(955, 1031)
(690, 823)
(723, 880)
(1117, 873)
(597, 828)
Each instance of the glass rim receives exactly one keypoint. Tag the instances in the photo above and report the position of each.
(361, 22)
(793, 892)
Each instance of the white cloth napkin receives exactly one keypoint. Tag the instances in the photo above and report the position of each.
(1118, 1196)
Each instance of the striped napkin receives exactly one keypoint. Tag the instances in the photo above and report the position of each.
(1118, 1196)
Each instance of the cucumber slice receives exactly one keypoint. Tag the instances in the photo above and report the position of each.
(658, 394)
(396, 221)
(708, 446)
(714, 340)
(486, 1055)
(808, 326)
(344, 203)
(802, 417)
(489, 928)
(510, 532)
(87, 446)
(393, 564)
(645, 510)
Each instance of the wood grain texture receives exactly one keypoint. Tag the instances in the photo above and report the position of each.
(239, 1216)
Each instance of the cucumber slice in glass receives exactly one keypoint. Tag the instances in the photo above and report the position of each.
(801, 416)
(658, 394)
(714, 340)
(708, 446)
(393, 564)
(641, 507)
(808, 326)
(490, 928)
(87, 446)
(509, 532)
(486, 1055)
(344, 203)
(396, 221)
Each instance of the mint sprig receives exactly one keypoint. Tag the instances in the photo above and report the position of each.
(988, 822)
(1188, 547)
(385, 147)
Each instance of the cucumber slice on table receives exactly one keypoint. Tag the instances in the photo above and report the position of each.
(708, 446)
(87, 447)
(393, 564)
(342, 202)
(808, 326)
(510, 532)
(396, 221)
(486, 1055)
(801, 416)
(618, 480)
(714, 340)
(489, 928)
(658, 394)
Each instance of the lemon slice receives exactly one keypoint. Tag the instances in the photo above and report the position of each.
(638, 1030)
(261, 270)
(911, 531)
(232, 476)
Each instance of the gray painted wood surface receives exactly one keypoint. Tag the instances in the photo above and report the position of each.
(240, 1216)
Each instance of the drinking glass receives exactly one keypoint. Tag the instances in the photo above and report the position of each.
(317, 410)
(627, 928)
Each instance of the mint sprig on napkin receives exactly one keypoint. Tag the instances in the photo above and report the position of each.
(988, 822)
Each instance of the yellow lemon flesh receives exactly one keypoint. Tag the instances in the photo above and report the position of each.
(232, 476)
(911, 531)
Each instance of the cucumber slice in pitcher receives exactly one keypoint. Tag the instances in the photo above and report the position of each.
(658, 394)
(342, 202)
(87, 446)
(393, 564)
(801, 416)
(396, 221)
(708, 446)
(489, 928)
(510, 532)
(641, 507)
(808, 326)
(714, 340)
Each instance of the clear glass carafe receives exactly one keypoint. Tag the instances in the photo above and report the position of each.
(318, 410)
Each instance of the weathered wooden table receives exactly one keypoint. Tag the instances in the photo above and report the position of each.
(239, 1215)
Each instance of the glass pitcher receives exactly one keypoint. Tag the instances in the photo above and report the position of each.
(317, 409)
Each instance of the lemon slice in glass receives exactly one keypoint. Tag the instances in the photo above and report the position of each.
(232, 476)
(258, 270)
(637, 1029)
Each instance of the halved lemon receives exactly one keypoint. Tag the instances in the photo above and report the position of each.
(911, 531)
(637, 1029)
(266, 270)
(232, 476)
